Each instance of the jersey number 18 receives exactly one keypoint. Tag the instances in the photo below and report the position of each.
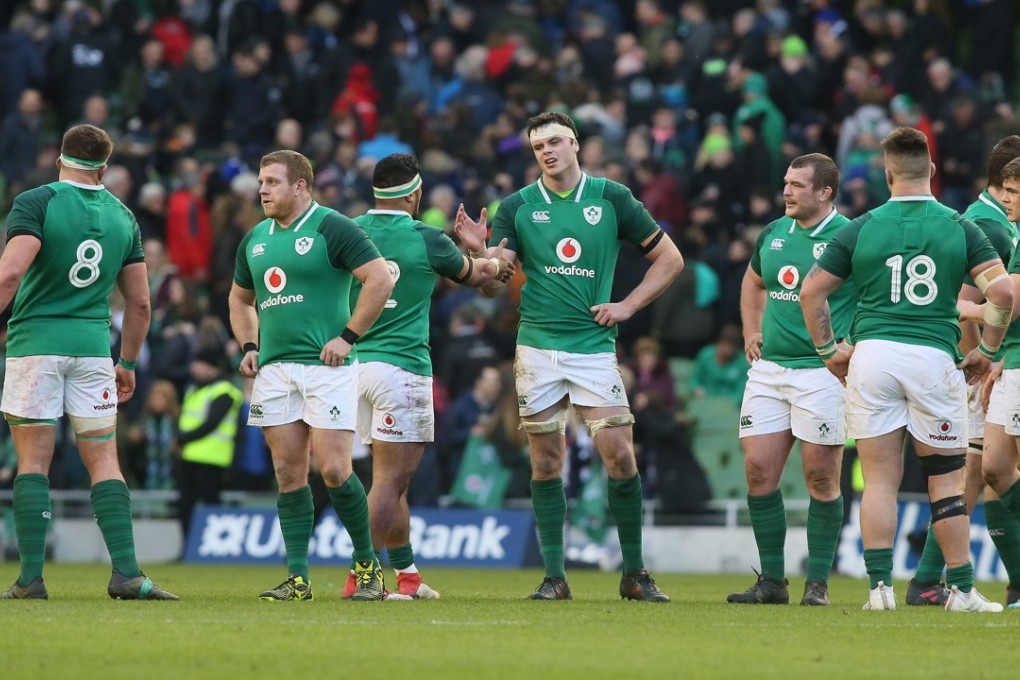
(915, 278)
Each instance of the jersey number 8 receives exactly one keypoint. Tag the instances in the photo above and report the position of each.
(85, 271)
(915, 278)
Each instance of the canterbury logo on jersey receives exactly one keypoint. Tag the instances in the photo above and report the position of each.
(777, 244)
(258, 249)
(540, 216)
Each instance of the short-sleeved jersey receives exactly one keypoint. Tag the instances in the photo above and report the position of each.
(990, 217)
(1011, 343)
(785, 253)
(568, 248)
(416, 255)
(301, 276)
(908, 258)
(62, 306)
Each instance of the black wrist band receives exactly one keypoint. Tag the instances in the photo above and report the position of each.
(349, 336)
(249, 347)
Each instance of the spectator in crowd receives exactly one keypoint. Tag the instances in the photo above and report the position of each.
(153, 437)
(653, 380)
(188, 231)
(720, 369)
(467, 411)
(20, 137)
(206, 432)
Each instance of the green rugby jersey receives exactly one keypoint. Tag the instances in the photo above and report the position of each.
(784, 255)
(568, 248)
(1011, 343)
(87, 236)
(416, 255)
(990, 217)
(908, 258)
(301, 276)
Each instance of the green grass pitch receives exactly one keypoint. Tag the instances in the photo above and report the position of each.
(482, 628)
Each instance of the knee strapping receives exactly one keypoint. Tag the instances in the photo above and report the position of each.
(81, 424)
(618, 420)
(942, 465)
(953, 506)
(30, 422)
(557, 423)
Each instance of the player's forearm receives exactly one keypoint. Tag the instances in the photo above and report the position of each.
(664, 270)
(752, 305)
(134, 329)
(817, 318)
(375, 290)
(1001, 295)
(244, 321)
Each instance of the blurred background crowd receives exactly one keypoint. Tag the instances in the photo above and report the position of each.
(696, 105)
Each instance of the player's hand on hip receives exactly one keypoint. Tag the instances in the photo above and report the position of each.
(335, 352)
(610, 313)
(752, 347)
(994, 373)
(839, 363)
(125, 384)
(472, 234)
(975, 365)
(250, 364)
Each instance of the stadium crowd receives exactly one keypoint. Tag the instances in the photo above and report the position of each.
(698, 106)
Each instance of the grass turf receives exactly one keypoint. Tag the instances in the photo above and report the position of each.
(482, 627)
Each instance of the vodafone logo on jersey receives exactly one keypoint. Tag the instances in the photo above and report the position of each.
(275, 280)
(789, 277)
(568, 250)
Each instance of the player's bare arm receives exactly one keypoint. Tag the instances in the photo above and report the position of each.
(997, 287)
(377, 284)
(244, 322)
(473, 234)
(969, 298)
(480, 270)
(133, 282)
(18, 254)
(752, 308)
(814, 301)
(667, 263)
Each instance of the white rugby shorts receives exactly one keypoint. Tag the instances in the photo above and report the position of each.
(544, 376)
(46, 386)
(810, 402)
(894, 384)
(394, 405)
(1004, 404)
(325, 397)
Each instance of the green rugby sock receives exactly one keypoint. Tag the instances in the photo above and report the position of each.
(297, 518)
(768, 521)
(550, 506)
(627, 505)
(824, 520)
(930, 567)
(351, 505)
(31, 521)
(111, 501)
(962, 577)
(1004, 529)
(879, 565)
(401, 557)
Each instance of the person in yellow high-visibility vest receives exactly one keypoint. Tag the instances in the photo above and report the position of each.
(206, 433)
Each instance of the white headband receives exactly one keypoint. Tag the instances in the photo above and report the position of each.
(80, 164)
(405, 189)
(552, 130)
